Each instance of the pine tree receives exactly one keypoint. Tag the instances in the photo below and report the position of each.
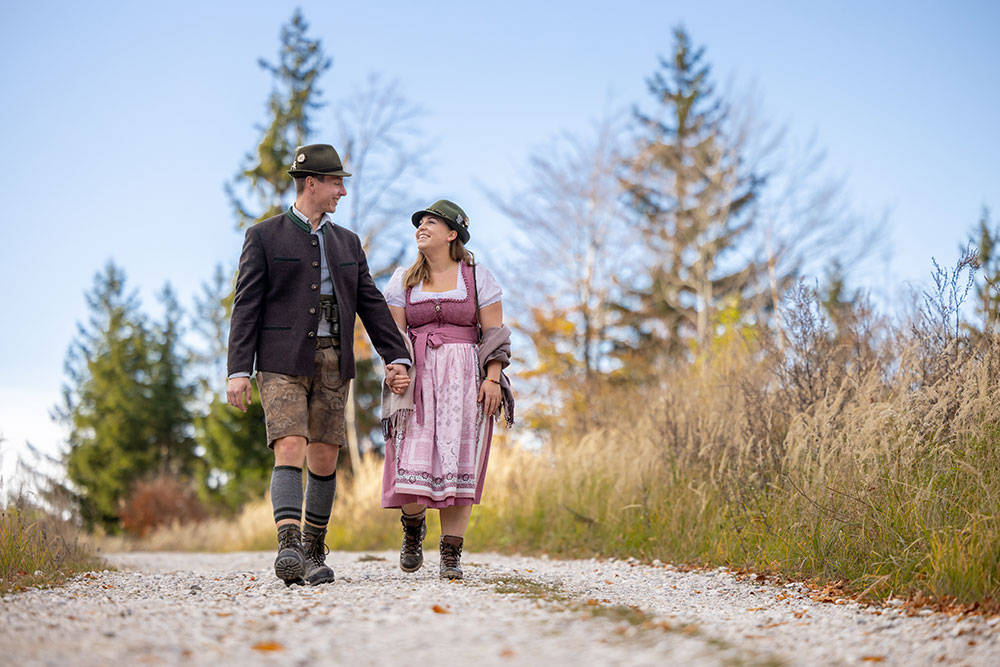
(237, 464)
(236, 461)
(107, 402)
(171, 393)
(212, 310)
(293, 99)
(127, 403)
(692, 196)
(986, 237)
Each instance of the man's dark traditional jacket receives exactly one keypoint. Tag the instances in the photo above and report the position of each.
(276, 309)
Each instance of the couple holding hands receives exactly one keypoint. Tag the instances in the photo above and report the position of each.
(302, 282)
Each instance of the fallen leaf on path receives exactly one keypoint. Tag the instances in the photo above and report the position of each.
(756, 609)
(507, 653)
(772, 625)
(223, 613)
(268, 646)
(872, 658)
(438, 609)
(592, 602)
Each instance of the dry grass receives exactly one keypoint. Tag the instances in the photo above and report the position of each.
(39, 550)
(860, 452)
(252, 529)
(867, 453)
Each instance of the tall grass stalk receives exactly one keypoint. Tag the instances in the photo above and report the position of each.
(857, 451)
(39, 550)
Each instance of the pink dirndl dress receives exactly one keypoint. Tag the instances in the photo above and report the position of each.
(439, 459)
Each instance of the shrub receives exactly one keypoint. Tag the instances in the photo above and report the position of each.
(159, 501)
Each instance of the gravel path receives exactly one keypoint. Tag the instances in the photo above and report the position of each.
(221, 609)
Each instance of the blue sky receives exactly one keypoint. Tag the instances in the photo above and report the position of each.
(122, 121)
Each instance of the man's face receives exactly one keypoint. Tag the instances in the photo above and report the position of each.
(328, 192)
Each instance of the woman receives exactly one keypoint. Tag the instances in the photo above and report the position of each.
(438, 432)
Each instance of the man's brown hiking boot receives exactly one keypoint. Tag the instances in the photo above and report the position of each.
(316, 569)
(290, 563)
(451, 556)
(411, 554)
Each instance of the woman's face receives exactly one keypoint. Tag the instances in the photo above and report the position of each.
(434, 233)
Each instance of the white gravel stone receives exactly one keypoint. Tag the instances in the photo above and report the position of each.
(220, 609)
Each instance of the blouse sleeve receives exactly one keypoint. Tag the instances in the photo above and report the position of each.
(487, 287)
(395, 295)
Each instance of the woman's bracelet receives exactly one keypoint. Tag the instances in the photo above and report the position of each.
(492, 380)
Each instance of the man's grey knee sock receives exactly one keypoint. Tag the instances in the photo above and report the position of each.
(286, 493)
(320, 490)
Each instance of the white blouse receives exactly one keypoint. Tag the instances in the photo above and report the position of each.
(486, 285)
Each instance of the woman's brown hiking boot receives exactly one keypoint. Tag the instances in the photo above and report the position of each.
(411, 554)
(451, 557)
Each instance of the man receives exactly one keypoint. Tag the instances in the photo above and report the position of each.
(301, 281)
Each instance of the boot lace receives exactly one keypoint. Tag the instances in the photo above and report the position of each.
(289, 538)
(413, 536)
(451, 555)
(315, 548)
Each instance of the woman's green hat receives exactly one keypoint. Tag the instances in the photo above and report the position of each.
(448, 211)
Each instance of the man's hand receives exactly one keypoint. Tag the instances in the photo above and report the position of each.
(238, 389)
(396, 378)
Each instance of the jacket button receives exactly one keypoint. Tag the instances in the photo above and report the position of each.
(315, 243)
(311, 334)
(312, 311)
(314, 286)
(315, 264)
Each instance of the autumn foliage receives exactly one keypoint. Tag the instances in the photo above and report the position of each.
(159, 501)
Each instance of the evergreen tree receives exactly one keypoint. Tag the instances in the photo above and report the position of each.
(293, 99)
(237, 463)
(212, 311)
(171, 393)
(236, 466)
(986, 236)
(127, 404)
(107, 402)
(840, 303)
(692, 196)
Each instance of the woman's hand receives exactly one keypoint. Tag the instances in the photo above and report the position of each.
(489, 396)
(396, 378)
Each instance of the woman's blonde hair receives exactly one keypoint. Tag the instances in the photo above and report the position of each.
(421, 270)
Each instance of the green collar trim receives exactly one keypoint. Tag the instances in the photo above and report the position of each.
(304, 224)
(299, 222)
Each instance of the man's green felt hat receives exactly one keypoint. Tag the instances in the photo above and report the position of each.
(448, 211)
(315, 159)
